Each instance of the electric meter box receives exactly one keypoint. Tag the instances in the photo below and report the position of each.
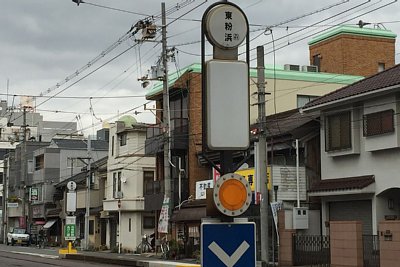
(300, 218)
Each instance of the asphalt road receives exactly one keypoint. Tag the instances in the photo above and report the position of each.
(33, 257)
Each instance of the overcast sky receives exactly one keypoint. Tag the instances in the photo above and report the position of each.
(43, 42)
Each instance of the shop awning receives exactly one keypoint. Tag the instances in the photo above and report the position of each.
(49, 224)
(189, 214)
(40, 222)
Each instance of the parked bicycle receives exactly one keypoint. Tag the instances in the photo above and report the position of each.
(144, 246)
(165, 247)
(41, 238)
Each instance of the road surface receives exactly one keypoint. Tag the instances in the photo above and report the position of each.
(33, 257)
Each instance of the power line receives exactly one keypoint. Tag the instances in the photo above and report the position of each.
(78, 97)
(307, 36)
(116, 9)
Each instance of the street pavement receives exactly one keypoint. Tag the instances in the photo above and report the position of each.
(111, 259)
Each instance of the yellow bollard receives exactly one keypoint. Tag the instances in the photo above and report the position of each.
(68, 250)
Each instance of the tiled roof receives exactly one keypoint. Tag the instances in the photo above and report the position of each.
(80, 144)
(348, 183)
(387, 78)
(286, 122)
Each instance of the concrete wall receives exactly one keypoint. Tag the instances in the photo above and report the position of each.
(132, 237)
(285, 94)
(346, 244)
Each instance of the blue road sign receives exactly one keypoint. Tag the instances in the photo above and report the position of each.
(228, 244)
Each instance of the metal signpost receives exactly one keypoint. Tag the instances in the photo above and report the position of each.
(225, 95)
(70, 220)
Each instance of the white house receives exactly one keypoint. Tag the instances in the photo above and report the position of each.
(128, 167)
(360, 145)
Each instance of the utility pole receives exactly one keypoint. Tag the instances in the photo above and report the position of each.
(23, 166)
(5, 198)
(262, 156)
(166, 118)
(89, 153)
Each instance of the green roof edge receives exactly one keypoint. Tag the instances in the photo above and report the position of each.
(346, 29)
(279, 73)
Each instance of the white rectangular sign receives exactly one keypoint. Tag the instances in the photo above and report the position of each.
(201, 188)
(70, 219)
(71, 202)
(228, 115)
(12, 205)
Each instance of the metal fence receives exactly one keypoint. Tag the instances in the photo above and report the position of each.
(371, 250)
(311, 250)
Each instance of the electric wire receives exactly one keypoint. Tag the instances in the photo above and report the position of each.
(352, 18)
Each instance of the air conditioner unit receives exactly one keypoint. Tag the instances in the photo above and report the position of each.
(119, 194)
(309, 68)
(292, 67)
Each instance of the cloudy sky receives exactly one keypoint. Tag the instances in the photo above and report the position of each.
(43, 42)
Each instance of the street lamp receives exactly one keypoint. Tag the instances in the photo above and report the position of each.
(190, 198)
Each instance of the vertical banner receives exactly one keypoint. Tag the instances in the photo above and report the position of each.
(22, 223)
(275, 207)
(163, 220)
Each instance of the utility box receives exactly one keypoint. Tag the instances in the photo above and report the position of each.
(300, 218)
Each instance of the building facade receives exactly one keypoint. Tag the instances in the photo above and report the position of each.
(128, 170)
(360, 142)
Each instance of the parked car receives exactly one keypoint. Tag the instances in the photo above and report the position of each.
(18, 236)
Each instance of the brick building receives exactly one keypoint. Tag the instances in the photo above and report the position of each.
(353, 50)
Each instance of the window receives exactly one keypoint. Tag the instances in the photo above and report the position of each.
(39, 162)
(338, 131)
(381, 67)
(148, 222)
(91, 227)
(304, 99)
(30, 166)
(114, 184)
(148, 178)
(122, 139)
(112, 146)
(117, 185)
(130, 225)
(378, 123)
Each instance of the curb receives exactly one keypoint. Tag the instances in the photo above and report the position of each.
(123, 262)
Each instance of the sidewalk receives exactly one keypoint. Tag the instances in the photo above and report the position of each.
(143, 260)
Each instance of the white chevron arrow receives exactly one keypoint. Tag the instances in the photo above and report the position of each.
(229, 261)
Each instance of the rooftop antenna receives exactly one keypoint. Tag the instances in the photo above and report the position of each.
(361, 23)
